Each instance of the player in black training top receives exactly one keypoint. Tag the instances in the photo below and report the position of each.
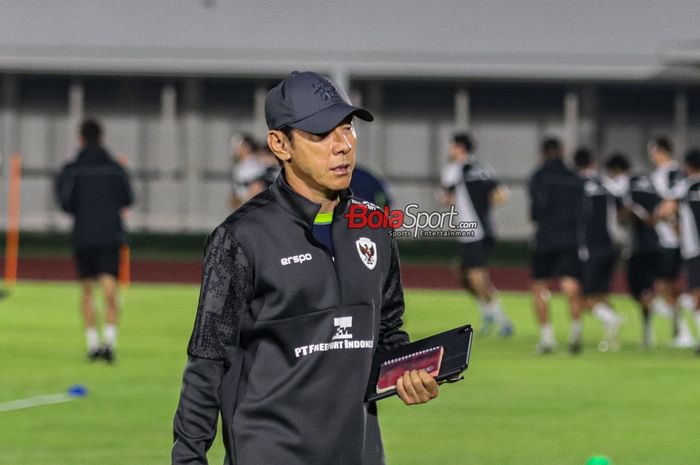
(602, 252)
(640, 248)
(473, 189)
(557, 208)
(666, 180)
(688, 208)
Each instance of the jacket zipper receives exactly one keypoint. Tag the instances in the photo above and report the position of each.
(332, 260)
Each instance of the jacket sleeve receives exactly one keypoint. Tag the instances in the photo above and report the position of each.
(533, 188)
(390, 333)
(225, 294)
(127, 193)
(64, 186)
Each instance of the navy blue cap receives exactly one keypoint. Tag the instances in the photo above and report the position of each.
(310, 102)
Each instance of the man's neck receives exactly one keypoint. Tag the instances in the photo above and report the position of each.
(461, 158)
(665, 163)
(327, 199)
(328, 205)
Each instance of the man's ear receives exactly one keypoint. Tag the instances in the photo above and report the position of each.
(279, 144)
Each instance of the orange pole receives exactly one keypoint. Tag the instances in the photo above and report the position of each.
(13, 205)
(124, 250)
(124, 266)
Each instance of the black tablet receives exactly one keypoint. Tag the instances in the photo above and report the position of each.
(446, 354)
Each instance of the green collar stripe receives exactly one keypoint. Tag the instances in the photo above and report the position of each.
(324, 218)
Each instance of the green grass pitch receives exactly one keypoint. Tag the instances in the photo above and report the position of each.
(635, 406)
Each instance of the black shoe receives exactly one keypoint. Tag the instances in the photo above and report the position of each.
(575, 346)
(107, 353)
(93, 355)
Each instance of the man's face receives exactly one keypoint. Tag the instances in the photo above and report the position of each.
(614, 173)
(657, 156)
(324, 162)
(457, 152)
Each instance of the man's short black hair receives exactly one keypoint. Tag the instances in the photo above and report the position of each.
(552, 148)
(692, 158)
(91, 131)
(583, 158)
(465, 140)
(288, 131)
(618, 161)
(662, 143)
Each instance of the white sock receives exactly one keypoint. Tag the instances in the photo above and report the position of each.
(686, 301)
(92, 338)
(483, 307)
(661, 307)
(110, 335)
(547, 334)
(497, 312)
(683, 329)
(576, 329)
(605, 314)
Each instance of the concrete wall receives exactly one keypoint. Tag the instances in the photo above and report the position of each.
(175, 135)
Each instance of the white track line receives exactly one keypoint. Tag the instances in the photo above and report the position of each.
(35, 402)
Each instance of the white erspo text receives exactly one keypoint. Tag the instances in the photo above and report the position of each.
(301, 258)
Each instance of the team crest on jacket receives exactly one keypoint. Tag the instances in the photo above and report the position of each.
(368, 252)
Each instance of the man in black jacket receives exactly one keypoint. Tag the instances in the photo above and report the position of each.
(294, 304)
(94, 189)
(556, 207)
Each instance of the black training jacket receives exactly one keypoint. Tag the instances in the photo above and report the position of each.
(557, 206)
(94, 188)
(284, 337)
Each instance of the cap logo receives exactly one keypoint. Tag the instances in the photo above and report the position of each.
(325, 90)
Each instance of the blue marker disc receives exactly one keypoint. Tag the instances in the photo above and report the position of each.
(77, 390)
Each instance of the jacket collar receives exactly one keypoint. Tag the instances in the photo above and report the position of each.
(554, 165)
(93, 154)
(300, 206)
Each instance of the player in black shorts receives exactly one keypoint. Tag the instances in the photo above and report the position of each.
(473, 189)
(666, 179)
(94, 189)
(642, 253)
(557, 209)
(602, 254)
(688, 208)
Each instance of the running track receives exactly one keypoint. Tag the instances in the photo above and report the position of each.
(151, 271)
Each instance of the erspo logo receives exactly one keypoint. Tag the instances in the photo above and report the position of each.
(301, 258)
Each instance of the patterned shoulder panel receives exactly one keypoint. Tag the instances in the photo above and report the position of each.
(226, 292)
